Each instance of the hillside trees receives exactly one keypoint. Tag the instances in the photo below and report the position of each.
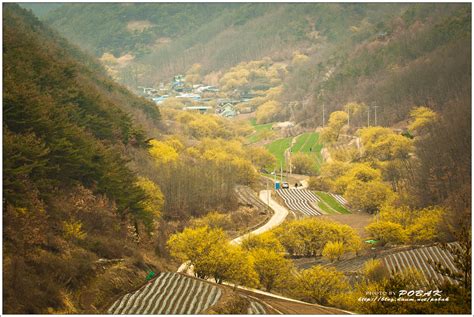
(267, 111)
(444, 180)
(272, 268)
(81, 130)
(309, 237)
(368, 196)
(393, 72)
(421, 119)
(198, 166)
(333, 250)
(402, 224)
(193, 75)
(356, 113)
(262, 158)
(303, 163)
(382, 144)
(211, 255)
(70, 197)
(337, 120)
(319, 284)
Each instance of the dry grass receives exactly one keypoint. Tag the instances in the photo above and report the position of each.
(139, 25)
(358, 221)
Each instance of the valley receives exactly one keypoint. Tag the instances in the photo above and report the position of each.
(236, 158)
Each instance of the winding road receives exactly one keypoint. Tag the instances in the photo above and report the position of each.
(277, 219)
(279, 215)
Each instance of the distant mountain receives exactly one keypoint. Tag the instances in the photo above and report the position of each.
(40, 9)
(389, 56)
(68, 195)
(421, 56)
(171, 37)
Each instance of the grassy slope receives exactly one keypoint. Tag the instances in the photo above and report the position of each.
(308, 143)
(260, 129)
(304, 143)
(329, 201)
(278, 148)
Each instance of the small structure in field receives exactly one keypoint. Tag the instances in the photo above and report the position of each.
(283, 125)
(201, 109)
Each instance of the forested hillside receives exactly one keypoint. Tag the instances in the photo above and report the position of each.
(390, 56)
(69, 198)
(171, 37)
(419, 57)
(94, 181)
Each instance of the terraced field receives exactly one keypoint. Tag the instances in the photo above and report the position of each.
(248, 197)
(301, 200)
(313, 203)
(418, 259)
(169, 293)
(256, 309)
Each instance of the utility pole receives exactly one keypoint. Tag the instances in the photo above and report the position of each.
(375, 109)
(281, 173)
(323, 115)
(289, 159)
(348, 118)
(368, 116)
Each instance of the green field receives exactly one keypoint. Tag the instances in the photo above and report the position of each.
(278, 147)
(329, 204)
(306, 143)
(309, 143)
(324, 207)
(260, 131)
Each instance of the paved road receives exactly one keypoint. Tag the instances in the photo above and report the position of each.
(279, 215)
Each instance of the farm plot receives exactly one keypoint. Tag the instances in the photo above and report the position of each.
(169, 293)
(301, 200)
(256, 309)
(278, 148)
(248, 197)
(308, 143)
(261, 131)
(419, 259)
(331, 203)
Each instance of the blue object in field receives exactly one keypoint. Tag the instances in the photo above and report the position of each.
(277, 185)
